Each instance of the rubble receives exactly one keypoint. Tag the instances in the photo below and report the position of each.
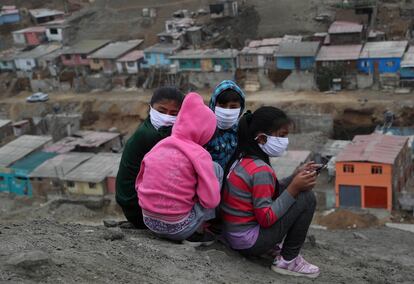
(29, 259)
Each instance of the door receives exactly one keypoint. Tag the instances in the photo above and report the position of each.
(350, 196)
(21, 186)
(375, 197)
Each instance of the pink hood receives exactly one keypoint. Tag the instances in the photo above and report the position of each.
(178, 171)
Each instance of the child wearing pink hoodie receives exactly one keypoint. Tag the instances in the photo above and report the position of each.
(179, 185)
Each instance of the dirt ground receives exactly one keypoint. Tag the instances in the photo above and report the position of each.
(41, 246)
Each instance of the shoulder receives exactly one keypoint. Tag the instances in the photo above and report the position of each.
(254, 165)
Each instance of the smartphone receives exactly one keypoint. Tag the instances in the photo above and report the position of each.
(318, 170)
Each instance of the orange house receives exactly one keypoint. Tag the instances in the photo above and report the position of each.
(372, 170)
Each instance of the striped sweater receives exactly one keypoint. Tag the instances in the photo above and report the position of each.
(251, 197)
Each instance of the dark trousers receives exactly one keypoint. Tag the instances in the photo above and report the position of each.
(293, 226)
(134, 216)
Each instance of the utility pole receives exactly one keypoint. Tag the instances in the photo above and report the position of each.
(65, 6)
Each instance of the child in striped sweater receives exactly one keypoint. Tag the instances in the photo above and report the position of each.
(258, 211)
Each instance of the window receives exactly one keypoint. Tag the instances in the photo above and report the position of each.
(348, 168)
(92, 185)
(84, 56)
(131, 64)
(67, 56)
(390, 63)
(148, 56)
(1, 178)
(39, 179)
(70, 184)
(54, 31)
(365, 63)
(96, 61)
(376, 170)
(28, 63)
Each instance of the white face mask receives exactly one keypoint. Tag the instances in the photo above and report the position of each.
(226, 118)
(275, 146)
(159, 119)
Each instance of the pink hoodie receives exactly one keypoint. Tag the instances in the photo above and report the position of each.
(178, 171)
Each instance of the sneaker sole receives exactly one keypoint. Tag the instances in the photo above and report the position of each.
(198, 244)
(292, 273)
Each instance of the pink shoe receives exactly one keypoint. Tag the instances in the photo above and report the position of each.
(296, 267)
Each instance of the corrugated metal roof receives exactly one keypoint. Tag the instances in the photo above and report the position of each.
(375, 148)
(285, 166)
(292, 38)
(35, 29)
(408, 59)
(298, 49)
(132, 56)
(384, 49)
(115, 49)
(85, 139)
(32, 161)
(61, 165)
(45, 12)
(341, 27)
(9, 54)
(4, 122)
(205, 53)
(86, 46)
(95, 169)
(38, 51)
(265, 50)
(339, 52)
(20, 148)
(266, 42)
(166, 48)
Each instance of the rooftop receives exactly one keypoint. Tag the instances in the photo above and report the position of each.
(33, 160)
(205, 53)
(266, 42)
(4, 122)
(45, 12)
(95, 169)
(166, 48)
(339, 52)
(86, 46)
(375, 148)
(34, 29)
(84, 139)
(298, 49)
(408, 59)
(285, 166)
(265, 50)
(333, 147)
(292, 38)
(340, 27)
(9, 54)
(61, 165)
(132, 56)
(116, 49)
(38, 51)
(20, 148)
(384, 49)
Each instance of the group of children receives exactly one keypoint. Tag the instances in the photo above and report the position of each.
(189, 167)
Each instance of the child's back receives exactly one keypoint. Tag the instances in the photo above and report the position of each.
(178, 172)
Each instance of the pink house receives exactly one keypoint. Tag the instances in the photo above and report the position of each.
(77, 55)
(30, 36)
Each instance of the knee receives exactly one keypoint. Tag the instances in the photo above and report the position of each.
(307, 199)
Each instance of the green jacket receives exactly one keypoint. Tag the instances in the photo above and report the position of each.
(140, 143)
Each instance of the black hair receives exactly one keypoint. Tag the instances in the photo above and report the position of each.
(264, 120)
(167, 93)
(228, 95)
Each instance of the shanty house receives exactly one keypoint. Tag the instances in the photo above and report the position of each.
(382, 57)
(87, 141)
(105, 57)
(372, 170)
(59, 31)
(206, 60)
(90, 178)
(9, 15)
(297, 55)
(15, 151)
(6, 129)
(43, 15)
(224, 8)
(258, 57)
(47, 178)
(31, 36)
(28, 60)
(51, 61)
(77, 54)
(7, 59)
(407, 64)
(111, 179)
(131, 62)
(345, 56)
(341, 33)
(158, 55)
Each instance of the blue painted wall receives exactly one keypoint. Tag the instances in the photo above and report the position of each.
(385, 65)
(190, 64)
(156, 59)
(9, 19)
(288, 63)
(407, 72)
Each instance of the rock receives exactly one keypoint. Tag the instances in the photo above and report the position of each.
(29, 259)
(126, 225)
(113, 235)
(110, 223)
(360, 236)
